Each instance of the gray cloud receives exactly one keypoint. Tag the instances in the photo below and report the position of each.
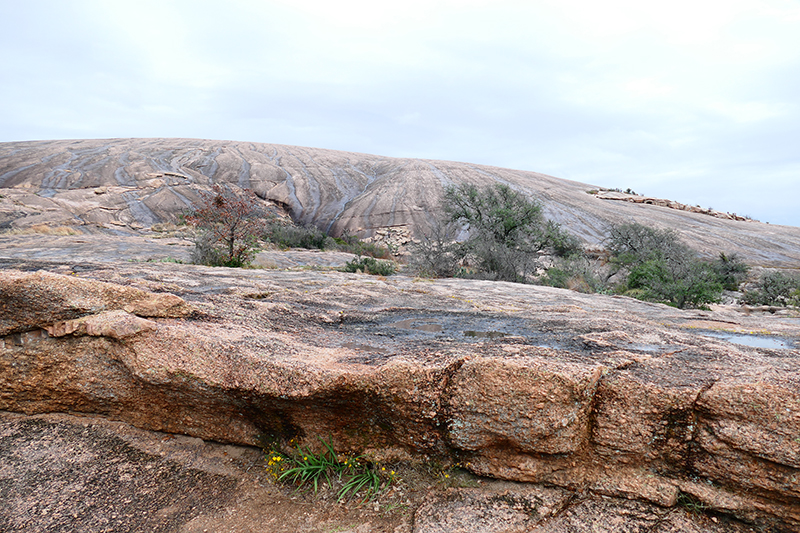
(700, 110)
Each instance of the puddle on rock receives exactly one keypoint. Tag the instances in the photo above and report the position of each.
(469, 328)
(754, 341)
(415, 324)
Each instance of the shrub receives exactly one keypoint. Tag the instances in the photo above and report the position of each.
(507, 231)
(437, 254)
(576, 273)
(289, 235)
(352, 244)
(692, 285)
(633, 244)
(731, 271)
(369, 265)
(229, 224)
(660, 268)
(775, 288)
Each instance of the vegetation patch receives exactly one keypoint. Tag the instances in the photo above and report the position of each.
(228, 224)
(369, 265)
(775, 288)
(231, 225)
(658, 267)
(346, 477)
(351, 477)
(506, 233)
(508, 239)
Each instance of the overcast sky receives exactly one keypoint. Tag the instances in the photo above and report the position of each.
(694, 101)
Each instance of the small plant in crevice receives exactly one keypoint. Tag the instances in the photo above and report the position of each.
(349, 476)
(691, 503)
(452, 475)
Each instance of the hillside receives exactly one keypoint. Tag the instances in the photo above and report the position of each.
(124, 186)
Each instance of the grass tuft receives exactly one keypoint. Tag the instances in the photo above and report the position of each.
(305, 468)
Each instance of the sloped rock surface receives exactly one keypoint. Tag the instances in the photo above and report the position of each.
(125, 186)
(585, 392)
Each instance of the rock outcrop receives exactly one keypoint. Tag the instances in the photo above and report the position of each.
(93, 474)
(584, 392)
(650, 200)
(139, 186)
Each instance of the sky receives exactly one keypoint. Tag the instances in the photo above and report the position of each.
(695, 101)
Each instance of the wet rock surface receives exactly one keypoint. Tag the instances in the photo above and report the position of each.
(599, 396)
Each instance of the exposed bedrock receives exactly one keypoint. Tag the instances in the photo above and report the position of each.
(129, 185)
(525, 383)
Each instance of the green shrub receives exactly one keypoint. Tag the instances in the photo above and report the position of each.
(775, 288)
(662, 269)
(294, 236)
(369, 265)
(693, 285)
(731, 271)
(507, 231)
(352, 244)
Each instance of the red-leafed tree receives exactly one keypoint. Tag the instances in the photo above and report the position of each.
(229, 223)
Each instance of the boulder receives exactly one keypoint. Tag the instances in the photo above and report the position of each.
(533, 384)
(40, 299)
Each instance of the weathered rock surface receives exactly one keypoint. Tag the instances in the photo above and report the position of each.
(593, 394)
(125, 186)
(62, 473)
(649, 200)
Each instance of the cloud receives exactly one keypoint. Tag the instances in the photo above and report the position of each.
(697, 96)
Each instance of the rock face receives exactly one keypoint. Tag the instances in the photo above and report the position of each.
(121, 186)
(585, 392)
(93, 474)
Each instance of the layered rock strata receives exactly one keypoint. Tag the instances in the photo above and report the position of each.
(585, 392)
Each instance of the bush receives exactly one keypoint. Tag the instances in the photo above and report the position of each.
(437, 254)
(352, 244)
(369, 265)
(507, 231)
(289, 235)
(731, 271)
(633, 244)
(662, 269)
(576, 273)
(775, 288)
(229, 224)
(692, 285)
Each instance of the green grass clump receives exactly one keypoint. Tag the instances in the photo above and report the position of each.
(352, 475)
